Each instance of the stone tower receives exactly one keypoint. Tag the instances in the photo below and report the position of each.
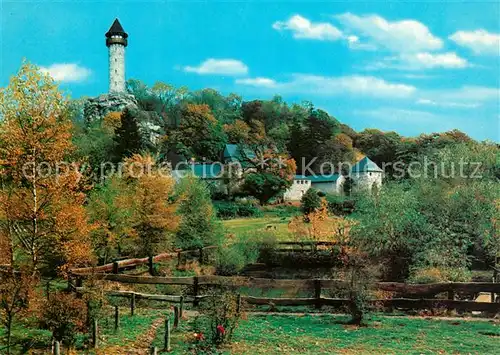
(116, 41)
(366, 175)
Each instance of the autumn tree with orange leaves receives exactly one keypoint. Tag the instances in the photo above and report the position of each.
(41, 197)
(152, 212)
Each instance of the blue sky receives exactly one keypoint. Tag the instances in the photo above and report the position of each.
(417, 67)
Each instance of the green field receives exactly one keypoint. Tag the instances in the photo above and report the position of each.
(290, 334)
(240, 226)
(327, 334)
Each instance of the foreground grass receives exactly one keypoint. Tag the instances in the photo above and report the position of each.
(327, 334)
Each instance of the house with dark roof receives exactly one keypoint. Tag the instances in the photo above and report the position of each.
(365, 174)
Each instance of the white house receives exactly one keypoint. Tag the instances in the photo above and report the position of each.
(365, 175)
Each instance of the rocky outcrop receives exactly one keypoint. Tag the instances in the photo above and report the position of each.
(98, 107)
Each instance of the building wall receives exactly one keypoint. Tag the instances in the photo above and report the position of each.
(116, 55)
(330, 187)
(366, 180)
(297, 190)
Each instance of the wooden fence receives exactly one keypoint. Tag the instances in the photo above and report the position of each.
(117, 266)
(409, 296)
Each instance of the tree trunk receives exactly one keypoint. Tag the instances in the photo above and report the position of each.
(9, 332)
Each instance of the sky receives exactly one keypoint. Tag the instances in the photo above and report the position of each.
(410, 67)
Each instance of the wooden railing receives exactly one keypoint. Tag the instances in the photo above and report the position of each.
(415, 296)
(116, 266)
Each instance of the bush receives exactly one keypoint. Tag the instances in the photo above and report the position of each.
(249, 249)
(285, 210)
(63, 315)
(427, 275)
(229, 209)
(310, 201)
(339, 205)
(219, 317)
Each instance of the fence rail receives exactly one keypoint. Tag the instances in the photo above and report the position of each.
(401, 303)
(116, 266)
(304, 284)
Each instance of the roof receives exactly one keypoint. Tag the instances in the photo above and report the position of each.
(318, 178)
(365, 165)
(203, 170)
(233, 153)
(324, 178)
(116, 29)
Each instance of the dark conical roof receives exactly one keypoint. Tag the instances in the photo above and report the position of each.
(116, 29)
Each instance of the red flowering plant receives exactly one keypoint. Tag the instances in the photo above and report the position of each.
(218, 318)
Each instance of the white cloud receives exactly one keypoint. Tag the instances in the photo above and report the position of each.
(426, 60)
(334, 86)
(259, 82)
(397, 36)
(479, 41)
(67, 72)
(219, 66)
(422, 60)
(302, 28)
(429, 102)
(468, 94)
(392, 114)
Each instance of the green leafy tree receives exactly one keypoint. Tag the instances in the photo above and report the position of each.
(199, 134)
(198, 225)
(310, 201)
(128, 140)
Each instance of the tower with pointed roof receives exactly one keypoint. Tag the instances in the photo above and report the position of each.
(366, 175)
(116, 41)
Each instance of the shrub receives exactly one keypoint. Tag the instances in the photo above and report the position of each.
(248, 249)
(63, 315)
(283, 210)
(310, 201)
(219, 317)
(229, 209)
(425, 275)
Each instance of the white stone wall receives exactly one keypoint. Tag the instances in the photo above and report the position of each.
(366, 180)
(297, 190)
(116, 68)
(331, 187)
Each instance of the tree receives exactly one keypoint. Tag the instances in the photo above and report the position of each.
(199, 134)
(310, 141)
(15, 294)
(269, 175)
(128, 139)
(198, 226)
(152, 214)
(43, 192)
(310, 201)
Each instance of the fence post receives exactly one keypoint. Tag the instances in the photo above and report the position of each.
(153, 350)
(95, 335)
(181, 307)
(176, 316)
(117, 318)
(57, 348)
(132, 304)
(201, 256)
(178, 259)
(70, 283)
(167, 334)
(238, 304)
(115, 267)
(196, 302)
(317, 292)
(151, 266)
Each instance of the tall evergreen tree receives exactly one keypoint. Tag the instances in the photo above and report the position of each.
(127, 138)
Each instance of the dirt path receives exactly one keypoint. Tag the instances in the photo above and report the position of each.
(139, 346)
